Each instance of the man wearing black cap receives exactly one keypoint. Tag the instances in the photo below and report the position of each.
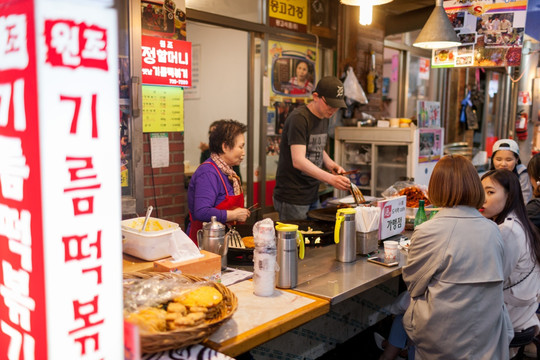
(302, 153)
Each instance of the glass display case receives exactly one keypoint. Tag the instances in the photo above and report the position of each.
(380, 156)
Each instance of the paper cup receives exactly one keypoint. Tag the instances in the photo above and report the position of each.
(391, 249)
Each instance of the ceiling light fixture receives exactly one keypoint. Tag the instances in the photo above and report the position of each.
(438, 32)
(366, 8)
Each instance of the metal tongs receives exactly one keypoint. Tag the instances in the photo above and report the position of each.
(355, 191)
(234, 238)
(357, 194)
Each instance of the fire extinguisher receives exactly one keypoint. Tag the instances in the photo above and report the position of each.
(521, 125)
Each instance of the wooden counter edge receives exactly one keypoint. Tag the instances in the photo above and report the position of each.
(270, 330)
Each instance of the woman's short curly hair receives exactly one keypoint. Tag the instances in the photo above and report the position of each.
(225, 133)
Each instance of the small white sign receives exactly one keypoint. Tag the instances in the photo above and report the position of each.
(392, 216)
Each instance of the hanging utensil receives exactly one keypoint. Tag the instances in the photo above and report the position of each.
(148, 212)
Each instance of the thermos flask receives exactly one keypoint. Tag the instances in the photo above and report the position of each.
(212, 238)
(345, 235)
(288, 240)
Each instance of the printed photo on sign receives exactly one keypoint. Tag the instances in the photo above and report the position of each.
(293, 71)
(444, 57)
(457, 19)
(164, 19)
(466, 39)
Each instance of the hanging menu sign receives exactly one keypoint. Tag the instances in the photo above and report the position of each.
(163, 108)
(289, 14)
(490, 31)
(165, 61)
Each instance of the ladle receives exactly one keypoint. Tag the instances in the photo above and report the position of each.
(148, 212)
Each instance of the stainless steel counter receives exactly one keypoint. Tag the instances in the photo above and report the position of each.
(320, 274)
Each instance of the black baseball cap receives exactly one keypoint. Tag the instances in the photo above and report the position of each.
(332, 90)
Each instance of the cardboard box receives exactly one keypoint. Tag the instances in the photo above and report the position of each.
(208, 266)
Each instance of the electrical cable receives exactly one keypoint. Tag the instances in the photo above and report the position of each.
(153, 182)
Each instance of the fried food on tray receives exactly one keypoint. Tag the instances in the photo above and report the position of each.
(249, 241)
(206, 296)
(414, 195)
(192, 308)
(150, 320)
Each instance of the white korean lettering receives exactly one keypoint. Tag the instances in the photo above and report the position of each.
(19, 113)
(65, 39)
(15, 292)
(14, 348)
(185, 60)
(172, 57)
(13, 168)
(148, 55)
(162, 56)
(95, 46)
(13, 46)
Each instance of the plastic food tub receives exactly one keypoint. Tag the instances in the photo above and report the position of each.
(149, 245)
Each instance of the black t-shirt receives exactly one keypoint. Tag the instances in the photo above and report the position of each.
(301, 128)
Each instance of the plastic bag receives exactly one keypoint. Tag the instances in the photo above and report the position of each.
(413, 191)
(353, 89)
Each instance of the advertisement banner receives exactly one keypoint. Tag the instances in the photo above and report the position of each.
(293, 76)
(165, 62)
(490, 31)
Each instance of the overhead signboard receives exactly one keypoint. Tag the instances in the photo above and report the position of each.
(165, 61)
(289, 14)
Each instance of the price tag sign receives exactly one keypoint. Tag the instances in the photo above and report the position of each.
(289, 14)
(392, 216)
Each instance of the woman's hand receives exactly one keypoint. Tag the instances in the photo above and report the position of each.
(238, 214)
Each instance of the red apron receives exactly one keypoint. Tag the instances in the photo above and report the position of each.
(231, 202)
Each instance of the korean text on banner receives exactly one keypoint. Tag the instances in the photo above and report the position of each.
(60, 197)
(166, 61)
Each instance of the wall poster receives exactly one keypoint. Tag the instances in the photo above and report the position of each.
(490, 31)
(292, 79)
(430, 143)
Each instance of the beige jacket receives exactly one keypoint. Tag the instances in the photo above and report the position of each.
(454, 274)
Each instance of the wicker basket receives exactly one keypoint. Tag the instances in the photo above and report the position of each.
(188, 335)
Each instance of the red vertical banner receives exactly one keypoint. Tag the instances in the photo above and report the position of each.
(22, 289)
(60, 249)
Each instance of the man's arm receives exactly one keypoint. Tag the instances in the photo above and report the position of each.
(300, 162)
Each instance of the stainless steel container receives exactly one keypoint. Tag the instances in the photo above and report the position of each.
(345, 235)
(288, 239)
(212, 238)
(367, 242)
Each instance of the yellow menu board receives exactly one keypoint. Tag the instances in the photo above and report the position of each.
(162, 108)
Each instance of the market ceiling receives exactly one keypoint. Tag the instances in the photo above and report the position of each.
(405, 15)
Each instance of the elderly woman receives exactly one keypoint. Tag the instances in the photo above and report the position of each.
(454, 273)
(215, 189)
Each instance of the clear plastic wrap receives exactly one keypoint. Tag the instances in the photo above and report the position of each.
(413, 191)
(153, 292)
(264, 258)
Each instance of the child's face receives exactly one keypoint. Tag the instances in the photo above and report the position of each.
(504, 159)
(495, 198)
(301, 71)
